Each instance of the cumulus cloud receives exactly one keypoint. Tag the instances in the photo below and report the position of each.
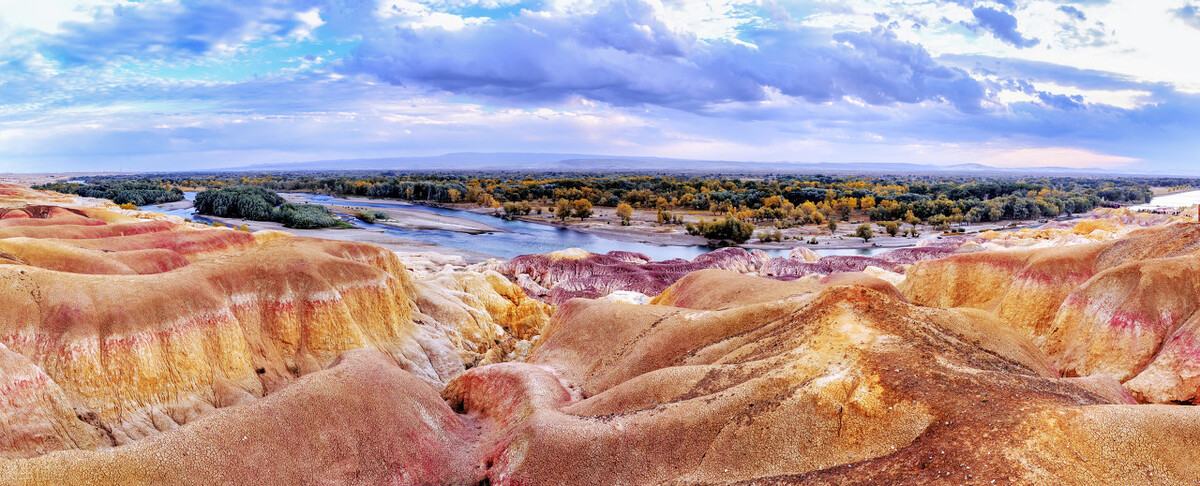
(1189, 14)
(1072, 12)
(735, 79)
(190, 28)
(1061, 101)
(167, 29)
(999, 24)
(624, 54)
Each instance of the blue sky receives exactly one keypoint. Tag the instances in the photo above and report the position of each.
(193, 84)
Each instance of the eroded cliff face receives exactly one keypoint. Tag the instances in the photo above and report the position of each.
(1123, 308)
(116, 329)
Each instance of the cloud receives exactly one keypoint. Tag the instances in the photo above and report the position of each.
(1072, 12)
(1000, 24)
(1061, 101)
(1092, 79)
(623, 54)
(136, 86)
(1189, 14)
(188, 28)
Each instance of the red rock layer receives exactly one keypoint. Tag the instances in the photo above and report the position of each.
(560, 276)
(557, 277)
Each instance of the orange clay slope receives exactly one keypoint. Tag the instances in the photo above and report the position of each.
(130, 328)
(1124, 308)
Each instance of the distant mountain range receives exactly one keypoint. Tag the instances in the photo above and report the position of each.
(472, 161)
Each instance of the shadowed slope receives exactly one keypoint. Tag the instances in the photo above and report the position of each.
(362, 421)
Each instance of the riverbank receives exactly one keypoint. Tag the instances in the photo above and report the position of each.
(644, 228)
(362, 235)
(416, 219)
(399, 216)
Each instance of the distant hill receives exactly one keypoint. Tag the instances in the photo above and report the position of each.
(472, 161)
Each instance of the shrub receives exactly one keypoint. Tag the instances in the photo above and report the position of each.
(303, 216)
(891, 227)
(728, 229)
(770, 236)
(864, 232)
(245, 202)
(370, 217)
(135, 193)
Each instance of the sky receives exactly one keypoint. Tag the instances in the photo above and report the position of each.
(120, 85)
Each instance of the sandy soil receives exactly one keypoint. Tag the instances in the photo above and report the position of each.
(1167, 191)
(404, 217)
(415, 219)
(644, 228)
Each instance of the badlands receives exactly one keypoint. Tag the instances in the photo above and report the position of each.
(142, 349)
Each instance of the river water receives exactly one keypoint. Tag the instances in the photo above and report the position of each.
(521, 238)
(1171, 201)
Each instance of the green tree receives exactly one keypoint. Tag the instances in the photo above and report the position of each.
(832, 227)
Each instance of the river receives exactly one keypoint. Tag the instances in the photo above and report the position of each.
(520, 238)
(1171, 201)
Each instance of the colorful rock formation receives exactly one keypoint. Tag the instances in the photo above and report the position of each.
(563, 275)
(126, 328)
(1120, 308)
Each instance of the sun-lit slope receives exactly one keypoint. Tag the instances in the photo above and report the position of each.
(146, 352)
(42, 215)
(129, 327)
(362, 421)
(486, 317)
(140, 253)
(1121, 308)
(757, 379)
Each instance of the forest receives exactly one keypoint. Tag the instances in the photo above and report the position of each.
(786, 199)
(137, 192)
